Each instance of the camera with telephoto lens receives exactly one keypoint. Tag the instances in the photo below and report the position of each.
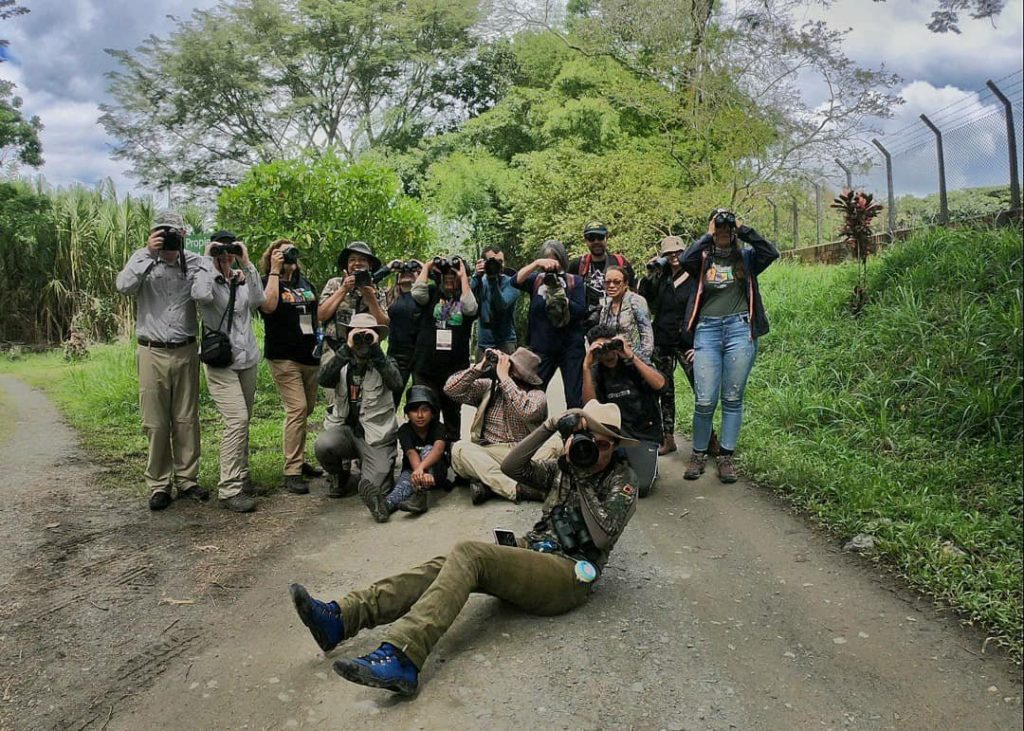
(583, 451)
(290, 256)
(725, 218)
(172, 238)
(492, 267)
(232, 248)
(610, 347)
(660, 263)
(363, 278)
(362, 339)
(554, 279)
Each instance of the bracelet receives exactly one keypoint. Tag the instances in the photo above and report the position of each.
(274, 274)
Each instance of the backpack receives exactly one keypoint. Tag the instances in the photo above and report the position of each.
(585, 260)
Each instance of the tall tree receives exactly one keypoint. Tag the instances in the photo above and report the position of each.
(19, 137)
(255, 80)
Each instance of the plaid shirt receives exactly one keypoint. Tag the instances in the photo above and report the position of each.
(512, 413)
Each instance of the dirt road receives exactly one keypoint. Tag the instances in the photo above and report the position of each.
(719, 609)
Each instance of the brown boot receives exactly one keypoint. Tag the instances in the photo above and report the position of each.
(695, 467)
(668, 445)
(726, 468)
(526, 493)
(714, 448)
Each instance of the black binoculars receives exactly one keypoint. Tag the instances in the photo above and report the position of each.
(218, 249)
(725, 218)
(660, 263)
(445, 264)
(362, 339)
(610, 347)
(406, 266)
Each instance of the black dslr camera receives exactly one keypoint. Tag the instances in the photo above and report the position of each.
(232, 248)
(492, 267)
(491, 356)
(363, 278)
(725, 218)
(661, 263)
(610, 347)
(554, 279)
(583, 451)
(172, 238)
(290, 256)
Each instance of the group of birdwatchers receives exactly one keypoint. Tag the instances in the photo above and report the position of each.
(616, 339)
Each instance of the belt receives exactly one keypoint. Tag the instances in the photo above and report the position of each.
(146, 342)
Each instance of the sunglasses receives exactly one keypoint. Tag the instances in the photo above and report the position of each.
(595, 237)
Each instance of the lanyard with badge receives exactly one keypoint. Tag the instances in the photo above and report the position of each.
(444, 335)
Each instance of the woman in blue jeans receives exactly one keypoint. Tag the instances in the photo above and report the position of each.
(726, 317)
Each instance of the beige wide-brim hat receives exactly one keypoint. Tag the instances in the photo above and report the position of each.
(670, 244)
(606, 420)
(366, 321)
(526, 363)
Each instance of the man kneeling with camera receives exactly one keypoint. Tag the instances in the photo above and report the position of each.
(505, 389)
(551, 570)
(361, 424)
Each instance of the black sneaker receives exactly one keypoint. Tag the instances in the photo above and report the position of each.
(309, 470)
(199, 494)
(379, 508)
(240, 503)
(159, 500)
(415, 503)
(479, 493)
(295, 485)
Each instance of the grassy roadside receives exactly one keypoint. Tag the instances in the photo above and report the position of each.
(905, 423)
(99, 398)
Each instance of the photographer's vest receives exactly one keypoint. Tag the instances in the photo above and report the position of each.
(376, 407)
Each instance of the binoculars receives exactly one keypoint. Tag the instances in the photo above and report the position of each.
(406, 266)
(445, 264)
(232, 248)
(725, 218)
(660, 263)
(610, 347)
(362, 339)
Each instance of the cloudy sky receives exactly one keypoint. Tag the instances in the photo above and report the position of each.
(56, 57)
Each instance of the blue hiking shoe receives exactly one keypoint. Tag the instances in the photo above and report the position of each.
(386, 667)
(322, 618)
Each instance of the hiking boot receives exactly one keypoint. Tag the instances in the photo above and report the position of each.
(415, 503)
(251, 488)
(526, 493)
(714, 448)
(479, 493)
(322, 618)
(386, 667)
(726, 468)
(240, 503)
(695, 467)
(159, 500)
(309, 470)
(379, 509)
(199, 494)
(668, 445)
(295, 485)
(337, 485)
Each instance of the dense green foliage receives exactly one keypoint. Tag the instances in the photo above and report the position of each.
(907, 422)
(322, 205)
(913, 211)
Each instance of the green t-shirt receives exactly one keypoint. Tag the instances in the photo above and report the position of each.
(723, 295)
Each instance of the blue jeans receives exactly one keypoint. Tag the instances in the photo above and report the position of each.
(404, 488)
(724, 353)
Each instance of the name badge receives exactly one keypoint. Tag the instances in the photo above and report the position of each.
(444, 339)
(306, 323)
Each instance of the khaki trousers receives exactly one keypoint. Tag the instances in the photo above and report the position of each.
(483, 462)
(233, 391)
(424, 601)
(169, 402)
(297, 385)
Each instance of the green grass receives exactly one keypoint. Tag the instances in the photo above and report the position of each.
(99, 398)
(905, 422)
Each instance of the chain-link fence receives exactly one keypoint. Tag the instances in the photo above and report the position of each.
(954, 165)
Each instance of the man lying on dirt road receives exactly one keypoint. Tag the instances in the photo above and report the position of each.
(551, 570)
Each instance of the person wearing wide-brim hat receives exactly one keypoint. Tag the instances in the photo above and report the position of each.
(551, 570)
(510, 403)
(668, 290)
(160, 277)
(361, 422)
(423, 443)
(342, 298)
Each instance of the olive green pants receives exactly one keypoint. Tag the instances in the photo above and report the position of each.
(424, 601)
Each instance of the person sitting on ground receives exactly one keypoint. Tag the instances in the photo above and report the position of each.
(361, 423)
(424, 445)
(505, 389)
(548, 571)
(612, 373)
(627, 313)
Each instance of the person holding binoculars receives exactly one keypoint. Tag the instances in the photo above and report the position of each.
(227, 297)
(612, 373)
(290, 347)
(626, 312)
(551, 570)
(442, 289)
(497, 296)
(160, 277)
(726, 317)
(362, 424)
(404, 314)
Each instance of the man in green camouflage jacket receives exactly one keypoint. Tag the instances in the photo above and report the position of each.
(551, 570)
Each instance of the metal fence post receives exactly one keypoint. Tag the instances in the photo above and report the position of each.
(775, 218)
(849, 175)
(943, 201)
(888, 184)
(1011, 144)
(796, 225)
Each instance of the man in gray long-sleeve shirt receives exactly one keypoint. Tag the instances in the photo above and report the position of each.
(160, 277)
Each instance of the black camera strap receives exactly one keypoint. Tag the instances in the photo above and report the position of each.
(229, 313)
